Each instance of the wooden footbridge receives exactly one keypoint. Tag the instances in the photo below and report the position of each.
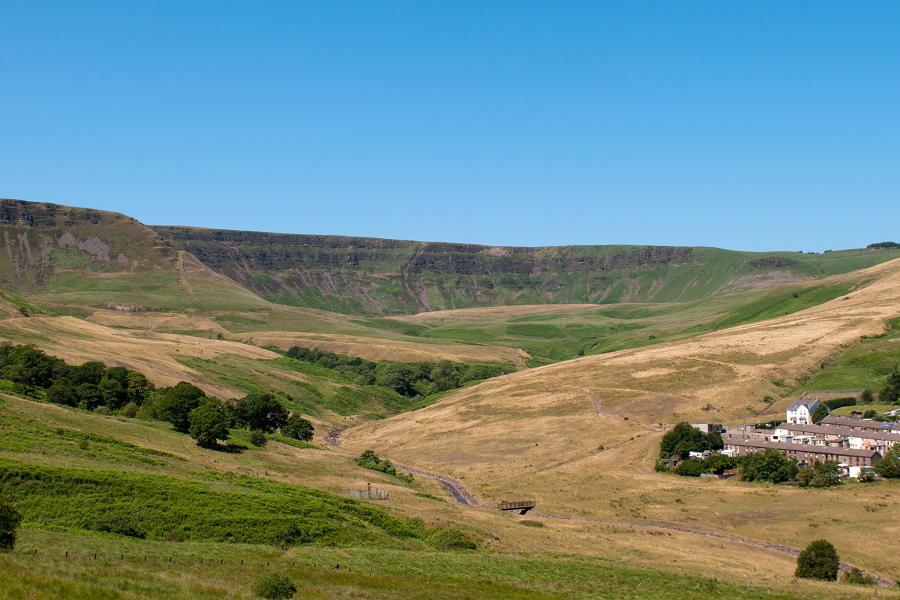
(520, 506)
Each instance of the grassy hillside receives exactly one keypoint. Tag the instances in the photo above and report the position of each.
(372, 276)
(865, 364)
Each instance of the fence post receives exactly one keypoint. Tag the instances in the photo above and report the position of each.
(369, 489)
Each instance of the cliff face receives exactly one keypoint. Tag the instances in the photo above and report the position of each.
(44, 241)
(374, 276)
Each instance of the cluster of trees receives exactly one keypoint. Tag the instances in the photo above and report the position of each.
(92, 385)
(883, 245)
(370, 460)
(890, 393)
(209, 420)
(820, 474)
(407, 379)
(714, 463)
(95, 386)
(683, 439)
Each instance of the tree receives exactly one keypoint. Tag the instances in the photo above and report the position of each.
(818, 561)
(444, 376)
(768, 465)
(209, 423)
(684, 438)
(138, 387)
(866, 397)
(176, 403)
(9, 523)
(819, 413)
(113, 388)
(260, 411)
(274, 587)
(890, 393)
(692, 467)
(820, 474)
(298, 428)
(62, 392)
(889, 466)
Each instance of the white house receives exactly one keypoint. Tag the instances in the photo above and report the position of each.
(801, 411)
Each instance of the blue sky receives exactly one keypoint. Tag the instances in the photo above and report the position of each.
(748, 125)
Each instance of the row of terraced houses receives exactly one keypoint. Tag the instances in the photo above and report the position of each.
(856, 444)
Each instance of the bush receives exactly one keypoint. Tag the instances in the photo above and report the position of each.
(176, 403)
(839, 402)
(768, 465)
(298, 428)
(867, 397)
(818, 561)
(9, 523)
(120, 524)
(370, 460)
(820, 413)
(450, 539)
(274, 587)
(258, 438)
(209, 423)
(866, 477)
(692, 467)
(857, 577)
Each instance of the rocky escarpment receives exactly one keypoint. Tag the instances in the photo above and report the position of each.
(376, 276)
(43, 240)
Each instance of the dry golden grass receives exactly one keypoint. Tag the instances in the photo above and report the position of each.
(496, 312)
(581, 436)
(152, 353)
(385, 349)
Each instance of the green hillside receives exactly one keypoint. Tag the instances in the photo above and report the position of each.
(374, 276)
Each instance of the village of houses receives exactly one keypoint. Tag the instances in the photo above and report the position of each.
(855, 443)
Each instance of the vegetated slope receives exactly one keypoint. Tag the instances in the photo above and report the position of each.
(376, 276)
(534, 419)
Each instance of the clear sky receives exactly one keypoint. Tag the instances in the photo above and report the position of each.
(747, 125)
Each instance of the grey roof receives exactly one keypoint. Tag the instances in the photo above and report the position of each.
(859, 423)
(809, 403)
(809, 448)
(841, 430)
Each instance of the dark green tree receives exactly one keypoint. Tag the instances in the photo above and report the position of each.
(819, 413)
(820, 474)
(62, 392)
(683, 439)
(889, 466)
(176, 403)
(768, 465)
(890, 393)
(444, 376)
(298, 428)
(261, 411)
(818, 561)
(258, 438)
(209, 423)
(138, 387)
(9, 523)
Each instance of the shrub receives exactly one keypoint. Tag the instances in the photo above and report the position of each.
(369, 460)
(258, 438)
(692, 467)
(298, 428)
(857, 577)
(9, 523)
(120, 524)
(867, 397)
(839, 402)
(818, 561)
(450, 539)
(209, 423)
(274, 587)
(820, 474)
(866, 477)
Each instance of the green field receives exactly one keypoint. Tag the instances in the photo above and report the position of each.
(865, 364)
